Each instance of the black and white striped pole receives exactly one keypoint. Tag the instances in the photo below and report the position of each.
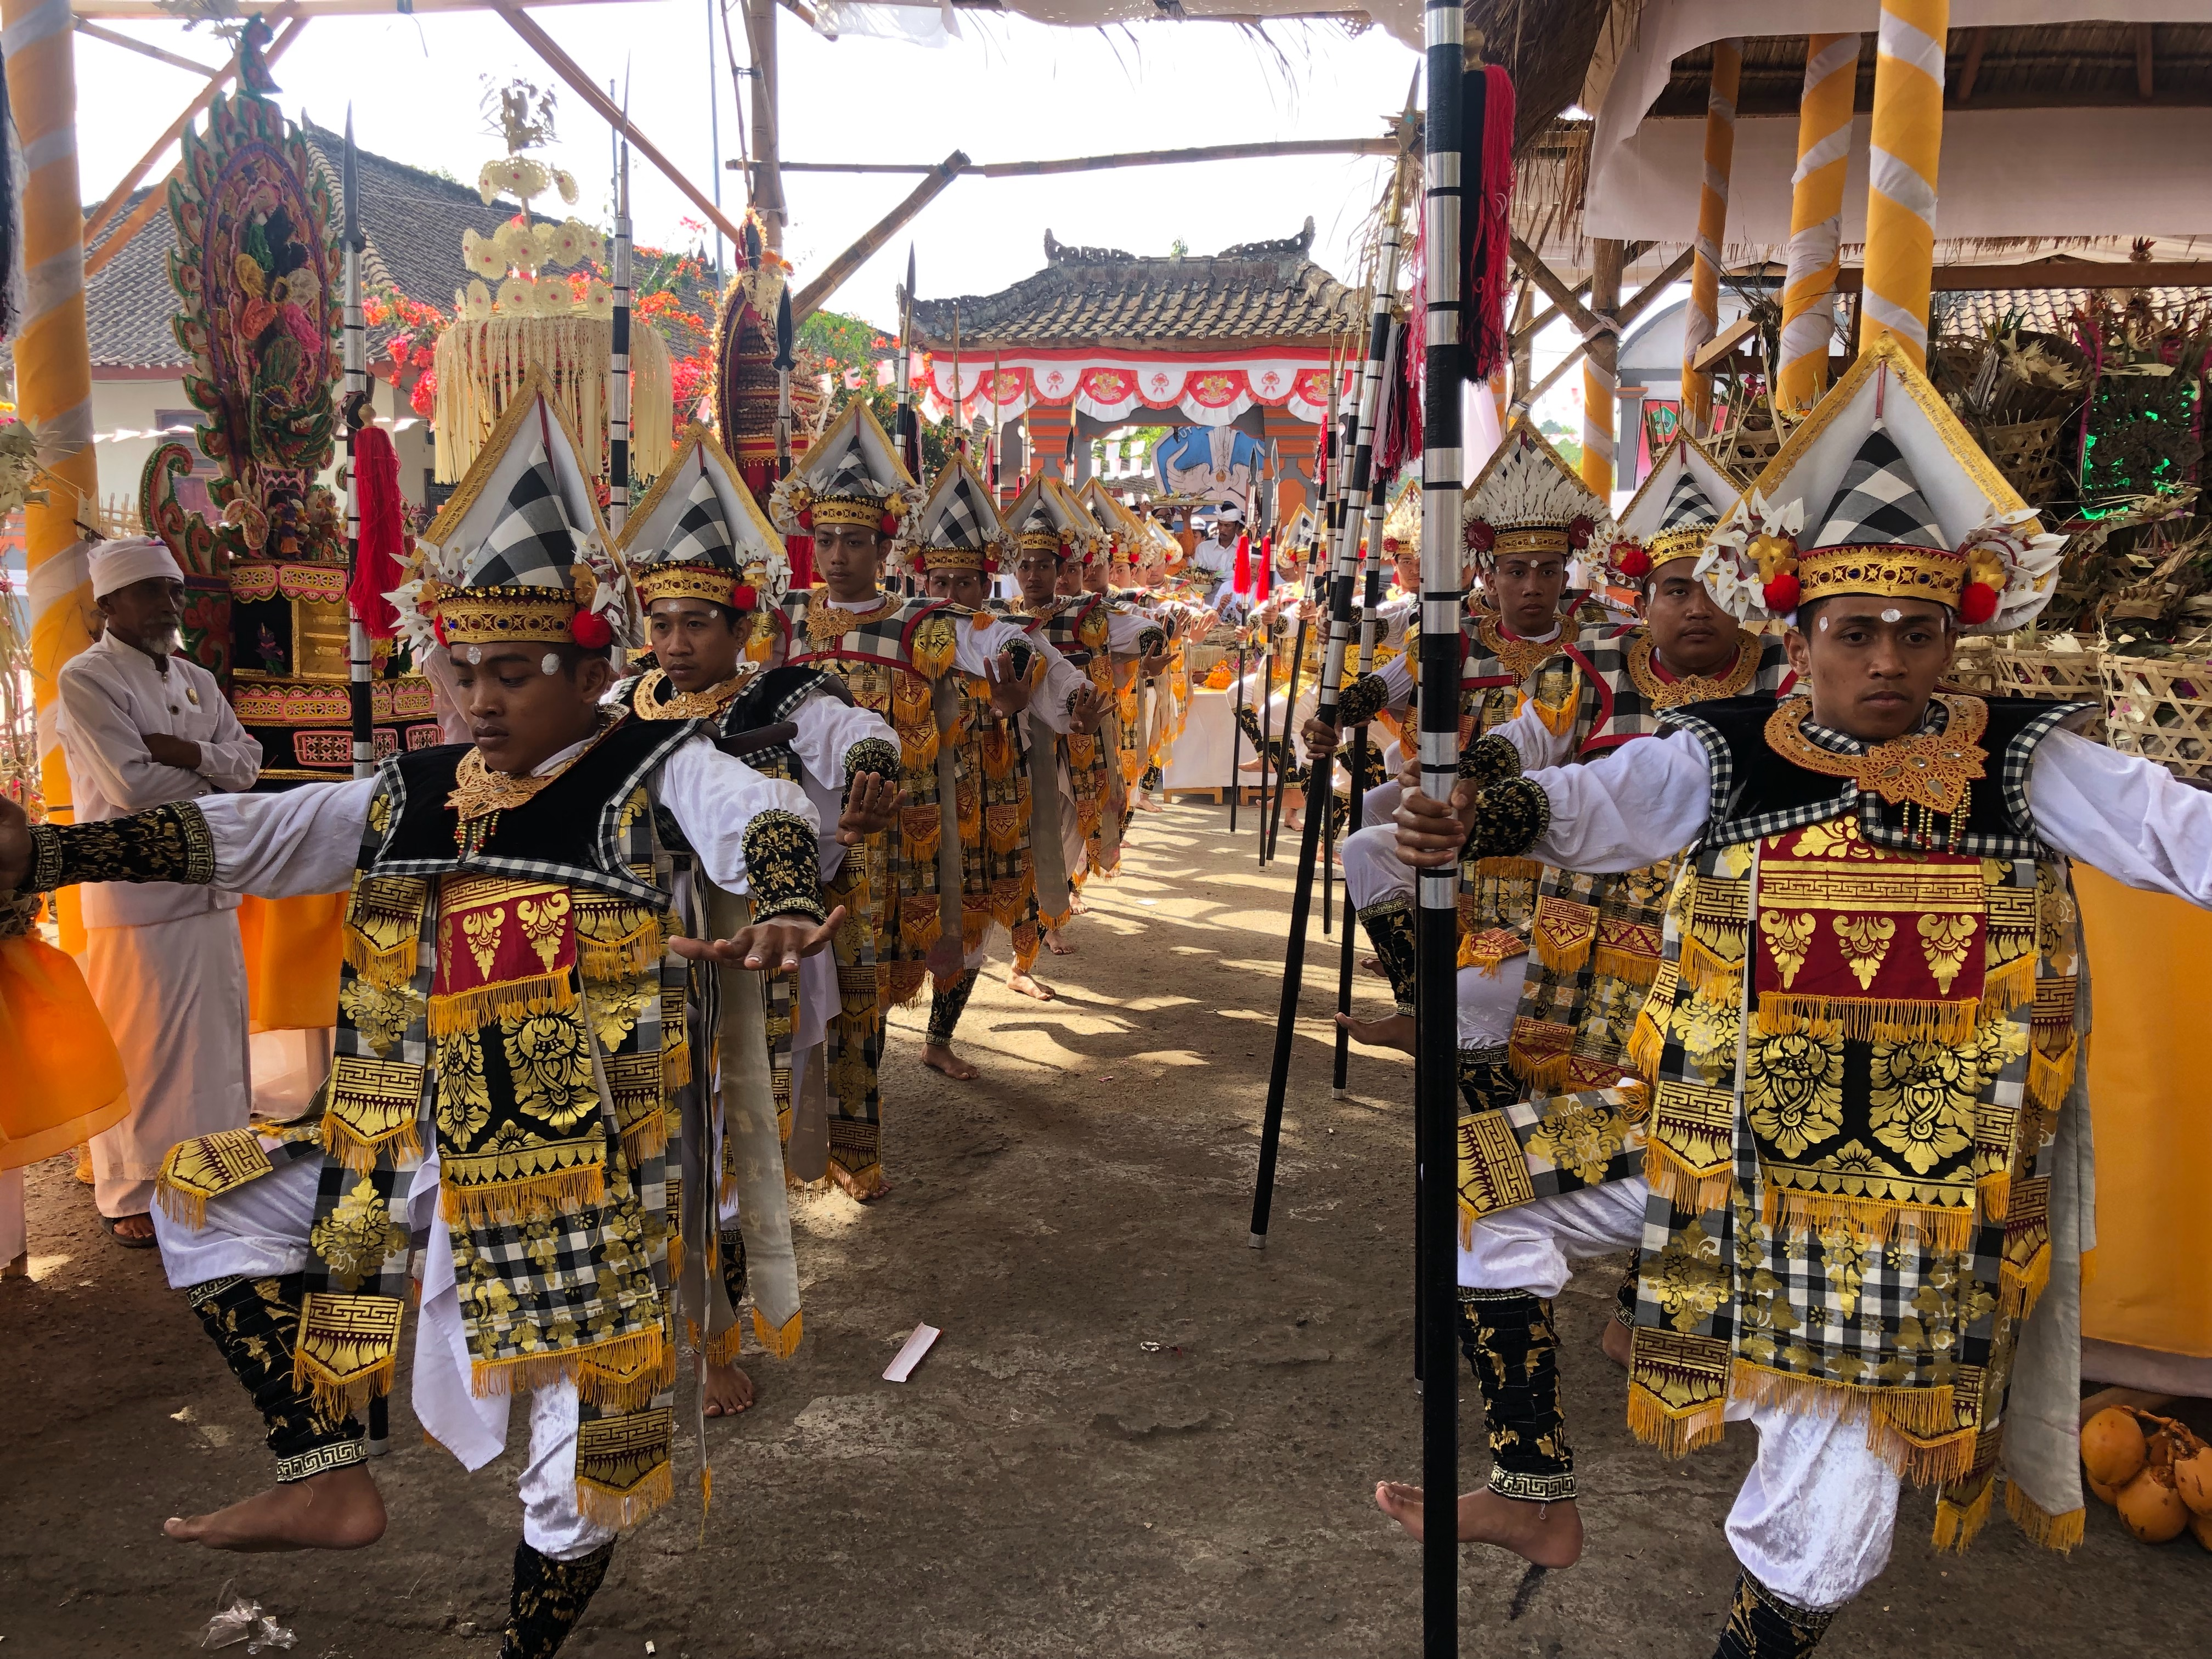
(618, 357)
(1436, 918)
(1350, 512)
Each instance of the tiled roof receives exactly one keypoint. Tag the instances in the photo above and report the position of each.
(412, 220)
(1254, 293)
(2043, 310)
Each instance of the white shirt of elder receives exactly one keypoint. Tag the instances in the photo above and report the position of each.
(113, 697)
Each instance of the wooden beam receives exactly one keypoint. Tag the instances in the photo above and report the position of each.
(1142, 158)
(2056, 273)
(1630, 310)
(165, 11)
(143, 49)
(1970, 70)
(2142, 62)
(1565, 299)
(808, 300)
(1543, 320)
(1717, 350)
(106, 210)
(582, 85)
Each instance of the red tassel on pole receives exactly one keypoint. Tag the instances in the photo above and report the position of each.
(1266, 570)
(1242, 582)
(383, 530)
(1488, 231)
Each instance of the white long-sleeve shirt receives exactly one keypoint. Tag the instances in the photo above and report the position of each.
(2126, 815)
(307, 840)
(113, 697)
(974, 647)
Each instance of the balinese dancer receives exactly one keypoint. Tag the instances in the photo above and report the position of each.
(948, 681)
(503, 1072)
(1860, 1174)
(707, 565)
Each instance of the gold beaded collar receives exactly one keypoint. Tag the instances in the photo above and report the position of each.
(1929, 769)
(826, 621)
(1644, 671)
(480, 793)
(686, 705)
(1519, 658)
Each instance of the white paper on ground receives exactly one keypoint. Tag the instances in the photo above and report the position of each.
(910, 1356)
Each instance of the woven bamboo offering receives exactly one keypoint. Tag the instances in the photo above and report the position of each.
(2027, 452)
(2051, 667)
(2161, 707)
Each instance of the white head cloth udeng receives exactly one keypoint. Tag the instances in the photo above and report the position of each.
(132, 559)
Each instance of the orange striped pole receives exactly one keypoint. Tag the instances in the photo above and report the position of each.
(1816, 211)
(1906, 142)
(53, 366)
(1702, 321)
(1601, 368)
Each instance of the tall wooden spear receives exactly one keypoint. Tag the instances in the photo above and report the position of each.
(1436, 918)
(355, 411)
(784, 363)
(1347, 514)
(618, 357)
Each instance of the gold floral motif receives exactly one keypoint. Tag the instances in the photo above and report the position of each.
(649, 704)
(826, 623)
(1693, 688)
(1705, 1025)
(551, 1065)
(1922, 1097)
(482, 928)
(542, 921)
(1687, 1281)
(1519, 658)
(1844, 1259)
(1581, 1139)
(1787, 938)
(464, 1105)
(1931, 769)
(379, 812)
(1867, 941)
(1794, 1086)
(1943, 941)
(381, 1015)
(357, 1235)
(616, 1006)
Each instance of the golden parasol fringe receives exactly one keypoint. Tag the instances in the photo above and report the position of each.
(482, 364)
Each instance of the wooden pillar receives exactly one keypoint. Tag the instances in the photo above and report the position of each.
(1601, 368)
(1293, 439)
(1702, 321)
(1816, 209)
(768, 150)
(1524, 351)
(1049, 425)
(1906, 141)
(53, 368)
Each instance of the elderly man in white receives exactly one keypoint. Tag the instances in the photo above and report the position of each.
(139, 728)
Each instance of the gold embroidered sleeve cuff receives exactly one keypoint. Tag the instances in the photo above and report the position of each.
(1151, 639)
(878, 755)
(1361, 701)
(1489, 760)
(780, 867)
(163, 843)
(1509, 819)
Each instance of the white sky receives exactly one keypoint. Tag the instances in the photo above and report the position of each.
(1010, 90)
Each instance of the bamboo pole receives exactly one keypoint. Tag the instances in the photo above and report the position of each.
(809, 299)
(1816, 209)
(206, 96)
(1702, 320)
(1138, 158)
(53, 373)
(1627, 316)
(172, 59)
(768, 137)
(1601, 368)
(1906, 141)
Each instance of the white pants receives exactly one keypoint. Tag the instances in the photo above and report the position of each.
(1373, 872)
(174, 996)
(1813, 1519)
(261, 1229)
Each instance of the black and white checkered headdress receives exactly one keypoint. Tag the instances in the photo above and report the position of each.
(531, 544)
(1880, 503)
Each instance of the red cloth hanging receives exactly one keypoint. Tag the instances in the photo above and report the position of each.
(1242, 582)
(1266, 570)
(1488, 228)
(799, 550)
(377, 569)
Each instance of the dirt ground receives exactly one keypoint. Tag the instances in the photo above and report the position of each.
(1136, 1437)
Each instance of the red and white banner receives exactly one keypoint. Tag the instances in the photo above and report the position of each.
(1202, 389)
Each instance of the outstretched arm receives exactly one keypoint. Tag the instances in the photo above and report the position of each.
(2127, 816)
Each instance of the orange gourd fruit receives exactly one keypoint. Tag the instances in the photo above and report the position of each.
(2105, 1495)
(2152, 1508)
(2113, 1449)
(2200, 1529)
(2193, 1479)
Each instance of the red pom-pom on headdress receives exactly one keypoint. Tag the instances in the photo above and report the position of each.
(1631, 560)
(590, 630)
(1978, 603)
(438, 629)
(888, 523)
(1480, 535)
(806, 517)
(1579, 531)
(743, 596)
(1781, 594)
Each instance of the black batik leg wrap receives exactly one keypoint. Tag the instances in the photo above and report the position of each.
(731, 1250)
(256, 1321)
(549, 1597)
(1624, 1301)
(1509, 1341)
(947, 1004)
(1150, 781)
(1487, 1079)
(1389, 928)
(1762, 1626)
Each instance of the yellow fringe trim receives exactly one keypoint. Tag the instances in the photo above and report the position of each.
(622, 958)
(723, 1348)
(674, 1238)
(781, 1340)
(603, 1506)
(1880, 1220)
(918, 746)
(1675, 1431)
(348, 1399)
(622, 1373)
(1914, 1431)
(1543, 1076)
(975, 928)
(2021, 1287)
(1782, 1013)
(2005, 988)
(188, 1208)
(1957, 1525)
(1684, 1187)
(2050, 1532)
(1647, 1045)
(1993, 1194)
(646, 1138)
(453, 1012)
(511, 1203)
(1486, 951)
(2050, 1076)
(1562, 958)
(675, 1064)
(386, 969)
(358, 1155)
(1633, 967)
(1503, 869)
(1708, 971)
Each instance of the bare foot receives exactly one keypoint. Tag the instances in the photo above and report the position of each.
(1076, 907)
(341, 1510)
(1393, 1031)
(729, 1391)
(1549, 1534)
(851, 1187)
(133, 1228)
(1029, 987)
(1374, 965)
(1056, 942)
(1615, 1342)
(945, 1060)
(1147, 804)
